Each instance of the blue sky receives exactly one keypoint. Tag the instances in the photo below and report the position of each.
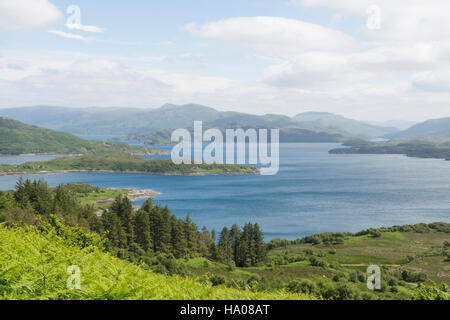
(251, 56)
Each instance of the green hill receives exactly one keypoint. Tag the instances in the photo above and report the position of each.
(19, 138)
(34, 265)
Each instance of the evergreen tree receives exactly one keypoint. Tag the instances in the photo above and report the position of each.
(190, 231)
(246, 249)
(124, 209)
(115, 232)
(260, 247)
(142, 229)
(224, 250)
(165, 230)
(235, 235)
(205, 241)
(178, 238)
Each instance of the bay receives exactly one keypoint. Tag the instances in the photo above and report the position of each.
(313, 192)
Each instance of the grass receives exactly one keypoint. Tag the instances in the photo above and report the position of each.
(34, 266)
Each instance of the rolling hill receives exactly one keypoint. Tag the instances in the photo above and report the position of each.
(19, 138)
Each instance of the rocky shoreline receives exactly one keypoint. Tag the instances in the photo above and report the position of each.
(134, 194)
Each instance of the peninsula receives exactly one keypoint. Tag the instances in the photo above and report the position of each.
(122, 163)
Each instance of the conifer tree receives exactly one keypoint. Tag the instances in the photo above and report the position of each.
(260, 247)
(190, 231)
(178, 238)
(142, 227)
(124, 209)
(224, 250)
(235, 235)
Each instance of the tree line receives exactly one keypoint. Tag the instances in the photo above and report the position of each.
(149, 231)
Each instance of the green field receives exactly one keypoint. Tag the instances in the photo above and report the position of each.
(344, 265)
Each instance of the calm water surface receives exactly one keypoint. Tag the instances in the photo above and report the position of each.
(313, 192)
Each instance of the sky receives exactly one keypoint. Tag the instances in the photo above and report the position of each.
(364, 59)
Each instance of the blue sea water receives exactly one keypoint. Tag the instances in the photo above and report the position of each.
(24, 158)
(313, 192)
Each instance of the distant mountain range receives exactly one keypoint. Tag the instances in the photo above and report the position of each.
(429, 128)
(397, 124)
(353, 127)
(158, 123)
(19, 138)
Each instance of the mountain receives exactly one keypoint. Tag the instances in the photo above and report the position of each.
(397, 124)
(435, 127)
(19, 138)
(157, 124)
(112, 121)
(337, 122)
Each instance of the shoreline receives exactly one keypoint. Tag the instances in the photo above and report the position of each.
(191, 174)
(62, 155)
(132, 195)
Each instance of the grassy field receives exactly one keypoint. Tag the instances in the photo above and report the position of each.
(346, 264)
(89, 195)
(391, 248)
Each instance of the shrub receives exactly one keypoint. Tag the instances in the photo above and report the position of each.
(302, 286)
(217, 280)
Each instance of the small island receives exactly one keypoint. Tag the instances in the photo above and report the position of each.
(429, 147)
(122, 163)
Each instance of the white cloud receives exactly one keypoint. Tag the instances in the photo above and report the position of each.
(81, 27)
(274, 34)
(402, 20)
(27, 14)
(326, 68)
(101, 82)
(433, 81)
(67, 35)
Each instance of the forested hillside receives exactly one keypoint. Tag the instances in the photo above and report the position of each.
(19, 138)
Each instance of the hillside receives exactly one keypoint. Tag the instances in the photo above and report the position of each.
(351, 127)
(157, 124)
(19, 138)
(34, 266)
(428, 128)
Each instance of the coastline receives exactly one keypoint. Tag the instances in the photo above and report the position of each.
(133, 194)
(189, 174)
(62, 155)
